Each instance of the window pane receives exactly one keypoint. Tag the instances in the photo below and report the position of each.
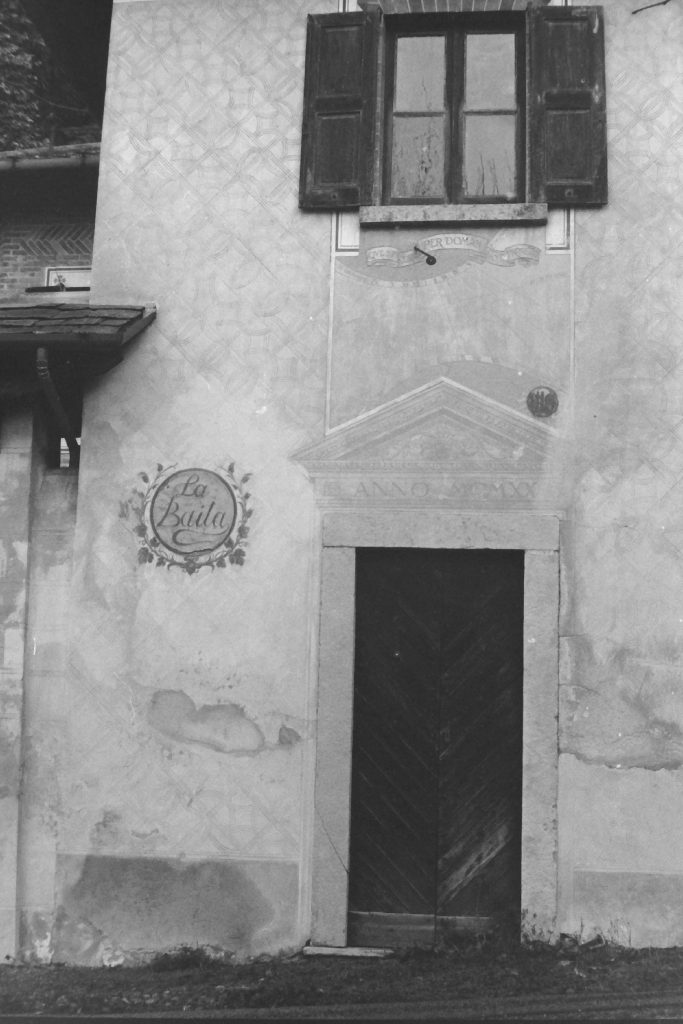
(490, 156)
(490, 72)
(417, 164)
(420, 63)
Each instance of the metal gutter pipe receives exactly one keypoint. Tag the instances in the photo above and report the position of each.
(28, 163)
(54, 401)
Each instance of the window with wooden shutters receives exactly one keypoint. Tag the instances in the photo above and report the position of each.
(454, 117)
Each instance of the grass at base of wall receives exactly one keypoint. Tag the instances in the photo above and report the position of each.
(193, 980)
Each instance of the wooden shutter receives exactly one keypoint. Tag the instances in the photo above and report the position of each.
(566, 106)
(339, 110)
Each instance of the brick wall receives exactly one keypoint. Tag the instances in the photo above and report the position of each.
(47, 219)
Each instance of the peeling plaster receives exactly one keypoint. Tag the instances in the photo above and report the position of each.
(13, 576)
(21, 552)
(625, 765)
(78, 941)
(627, 709)
(36, 938)
(9, 766)
(112, 832)
(108, 831)
(288, 737)
(222, 727)
(41, 769)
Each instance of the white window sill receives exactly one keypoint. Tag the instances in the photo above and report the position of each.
(536, 213)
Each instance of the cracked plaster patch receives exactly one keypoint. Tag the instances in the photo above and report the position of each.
(623, 711)
(222, 727)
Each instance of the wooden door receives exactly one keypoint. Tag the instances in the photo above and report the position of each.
(437, 742)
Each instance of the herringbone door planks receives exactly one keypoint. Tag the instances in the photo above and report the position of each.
(436, 775)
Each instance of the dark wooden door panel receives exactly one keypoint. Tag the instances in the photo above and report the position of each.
(480, 755)
(394, 762)
(436, 772)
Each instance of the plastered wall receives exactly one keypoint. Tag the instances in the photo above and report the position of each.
(16, 469)
(182, 780)
(621, 849)
(45, 711)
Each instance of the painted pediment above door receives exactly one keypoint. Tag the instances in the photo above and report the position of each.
(442, 445)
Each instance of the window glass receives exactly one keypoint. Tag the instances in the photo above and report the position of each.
(420, 75)
(490, 160)
(418, 131)
(417, 167)
(454, 119)
(490, 72)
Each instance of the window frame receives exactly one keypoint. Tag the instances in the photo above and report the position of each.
(454, 28)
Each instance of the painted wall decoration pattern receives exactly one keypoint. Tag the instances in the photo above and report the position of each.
(628, 389)
(191, 518)
(229, 171)
(200, 168)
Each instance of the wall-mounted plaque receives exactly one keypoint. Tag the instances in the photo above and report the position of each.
(191, 518)
(542, 402)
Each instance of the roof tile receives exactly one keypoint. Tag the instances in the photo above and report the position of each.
(71, 322)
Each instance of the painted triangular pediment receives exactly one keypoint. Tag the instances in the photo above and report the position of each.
(440, 426)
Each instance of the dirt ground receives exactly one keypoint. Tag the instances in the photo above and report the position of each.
(190, 980)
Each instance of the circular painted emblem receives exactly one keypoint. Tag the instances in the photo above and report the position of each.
(190, 518)
(542, 402)
(193, 511)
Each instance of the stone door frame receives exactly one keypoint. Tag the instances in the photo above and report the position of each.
(343, 532)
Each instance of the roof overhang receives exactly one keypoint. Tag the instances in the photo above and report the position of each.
(90, 335)
(53, 349)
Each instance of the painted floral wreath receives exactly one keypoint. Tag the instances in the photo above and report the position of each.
(231, 550)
